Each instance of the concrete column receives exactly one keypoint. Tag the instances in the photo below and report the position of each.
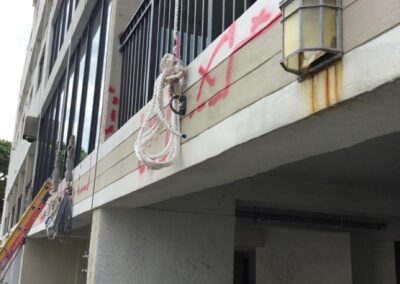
(168, 244)
(121, 13)
(49, 262)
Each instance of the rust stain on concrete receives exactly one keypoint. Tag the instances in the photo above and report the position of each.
(323, 89)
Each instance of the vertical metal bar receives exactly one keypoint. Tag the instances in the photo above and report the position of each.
(147, 62)
(223, 15)
(153, 44)
(187, 57)
(162, 27)
(122, 88)
(129, 78)
(142, 64)
(209, 23)
(194, 48)
(234, 9)
(159, 37)
(132, 77)
(184, 30)
(203, 26)
(137, 68)
(168, 27)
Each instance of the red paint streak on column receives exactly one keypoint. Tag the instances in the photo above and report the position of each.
(109, 130)
(113, 115)
(111, 90)
(115, 100)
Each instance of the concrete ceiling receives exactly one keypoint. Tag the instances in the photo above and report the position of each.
(373, 165)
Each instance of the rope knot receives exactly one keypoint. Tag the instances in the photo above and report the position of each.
(172, 69)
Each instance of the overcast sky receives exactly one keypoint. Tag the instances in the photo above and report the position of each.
(15, 28)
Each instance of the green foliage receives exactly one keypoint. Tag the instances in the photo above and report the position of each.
(5, 149)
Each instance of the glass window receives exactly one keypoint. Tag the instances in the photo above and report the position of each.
(78, 98)
(107, 27)
(90, 95)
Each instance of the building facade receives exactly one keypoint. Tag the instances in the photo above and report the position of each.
(279, 180)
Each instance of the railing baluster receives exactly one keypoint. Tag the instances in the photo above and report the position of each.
(149, 35)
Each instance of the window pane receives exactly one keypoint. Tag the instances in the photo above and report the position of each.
(291, 34)
(88, 114)
(311, 28)
(65, 138)
(330, 39)
(103, 73)
(78, 100)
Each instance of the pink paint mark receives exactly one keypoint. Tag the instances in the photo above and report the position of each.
(142, 168)
(258, 20)
(209, 78)
(111, 90)
(113, 115)
(227, 37)
(261, 23)
(115, 100)
(109, 130)
(163, 158)
(142, 118)
(200, 108)
(265, 26)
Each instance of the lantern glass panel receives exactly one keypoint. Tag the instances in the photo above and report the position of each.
(330, 2)
(310, 3)
(293, 62)
(311, 28)
(292, 34)
(330, 28)
(291, 7)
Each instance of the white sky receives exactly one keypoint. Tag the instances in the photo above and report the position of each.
(15, 28)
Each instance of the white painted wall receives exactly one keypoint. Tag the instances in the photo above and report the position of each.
(303, 257)
(50, 262)
(191, 241)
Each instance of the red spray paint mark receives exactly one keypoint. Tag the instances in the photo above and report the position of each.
(109, 130)
(115, 100)
(227, 37)
(208, 77)
(111, 90)
(114, 111)
(113, 115)
(259, 25)
(142, 168)
(257, 21)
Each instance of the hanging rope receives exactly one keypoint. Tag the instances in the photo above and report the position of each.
(155, 121)
(58, 210)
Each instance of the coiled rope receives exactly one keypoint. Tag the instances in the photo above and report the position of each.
(155, 121)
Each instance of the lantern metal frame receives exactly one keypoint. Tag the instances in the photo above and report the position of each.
(332, 54)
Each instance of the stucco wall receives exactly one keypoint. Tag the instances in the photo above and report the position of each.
(49, 262)
(150, 246)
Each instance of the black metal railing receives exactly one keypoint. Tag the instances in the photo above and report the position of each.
(149, 35)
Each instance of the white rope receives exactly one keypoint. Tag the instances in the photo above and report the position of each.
(154, 123)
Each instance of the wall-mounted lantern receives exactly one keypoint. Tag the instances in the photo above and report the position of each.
(312, 34)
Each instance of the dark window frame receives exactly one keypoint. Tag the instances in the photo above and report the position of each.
(51, 133)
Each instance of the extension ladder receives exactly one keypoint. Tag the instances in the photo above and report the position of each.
(18, 234)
